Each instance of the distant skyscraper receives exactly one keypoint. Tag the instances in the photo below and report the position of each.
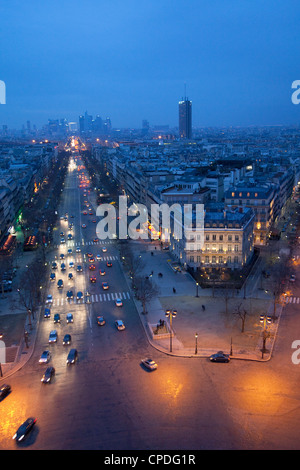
(81, 124)
(185, 118)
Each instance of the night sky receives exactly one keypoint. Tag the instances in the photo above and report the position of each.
(130, 60)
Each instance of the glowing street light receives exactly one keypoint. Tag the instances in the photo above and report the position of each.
(170, 314)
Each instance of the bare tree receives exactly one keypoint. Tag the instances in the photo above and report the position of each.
(30, 286)
(146, 290)
(242, 314)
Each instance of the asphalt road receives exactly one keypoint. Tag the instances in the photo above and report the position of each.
(108, 401)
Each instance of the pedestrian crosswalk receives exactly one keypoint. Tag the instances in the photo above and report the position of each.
(291, 300)
(79, 259)
(93, 298)
(72, 243)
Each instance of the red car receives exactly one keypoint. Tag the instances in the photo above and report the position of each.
(93, 279)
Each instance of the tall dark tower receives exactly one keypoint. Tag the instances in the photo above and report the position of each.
(185, 118)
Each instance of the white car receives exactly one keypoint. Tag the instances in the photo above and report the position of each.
(119, 325)
(78, 250)
(45, 357)
(104, 249)
(53, 336)
(69, 318)
(49, 299)
(149, 363)
(293, 278)
(71, 264)
(118, 303)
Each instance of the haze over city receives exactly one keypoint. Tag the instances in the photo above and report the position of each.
(131, 60)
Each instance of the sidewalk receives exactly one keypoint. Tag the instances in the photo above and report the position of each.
(216, 327)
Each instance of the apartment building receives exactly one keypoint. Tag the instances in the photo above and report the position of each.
(225, 239)
(261, 198)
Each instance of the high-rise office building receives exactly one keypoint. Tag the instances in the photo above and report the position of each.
(185, 118)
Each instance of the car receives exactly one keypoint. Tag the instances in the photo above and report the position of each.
(67, 339)
(93, 279)
(92, 267)
(102, 272)
(47, 313)
(118, 303)
(79, 295)
(119, 325)
(62, 234)
(98, 257)
(149, 364)
(293, 278)
(70, 251)
(62, 256)
(70, 276)
(56, 318)
(104, 250)
(49, 373)
(84, 212)
(63, 266)
(53, 336)
(70, 236)
(78, 250)
(100, 321)
(83, 225)
(79, 268)
(71, 264)
(52, 276)
(105, 285)
(24, 429)
(49, 299)
(96, 240)
(219, 357)
(72, 356)
(5, 389)
(70, 318)
(109, 264)
(70, 294)
(45, 357)
(54, 265)
(91, 259)
(62, 241)
(89, 254)
(60, 284)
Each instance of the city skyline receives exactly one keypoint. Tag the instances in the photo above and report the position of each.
(130, 61)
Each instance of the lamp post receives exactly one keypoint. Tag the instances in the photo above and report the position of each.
(196, 343)
(170, 314)
(197, 285)
(264, 320)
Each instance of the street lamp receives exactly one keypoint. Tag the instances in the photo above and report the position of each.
(197, 285)
(170, 314)
(196, 344)
(265, 320)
